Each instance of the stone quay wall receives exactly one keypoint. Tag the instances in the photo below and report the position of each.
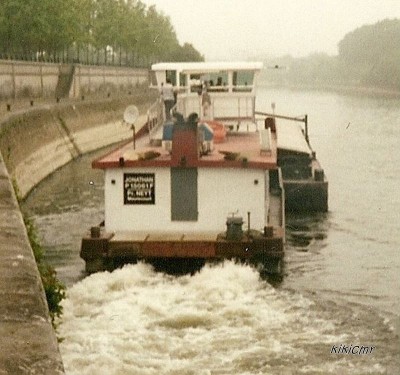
(26, 79)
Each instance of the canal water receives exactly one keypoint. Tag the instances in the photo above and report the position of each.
(341, 283)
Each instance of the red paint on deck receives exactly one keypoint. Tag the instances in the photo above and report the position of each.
(246, 146)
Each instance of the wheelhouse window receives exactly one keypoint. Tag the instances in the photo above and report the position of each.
(195, 83)
(182, 80)
(171, 75)
(243, 81)
(217, 81)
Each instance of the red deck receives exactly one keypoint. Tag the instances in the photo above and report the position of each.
(243, 148)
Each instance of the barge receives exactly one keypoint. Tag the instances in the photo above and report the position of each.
(200, 182)
(304, 180)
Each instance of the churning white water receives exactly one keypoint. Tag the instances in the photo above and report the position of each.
(222, 320)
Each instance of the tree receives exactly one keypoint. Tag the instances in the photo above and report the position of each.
(121, 30)
(368, 56)
(186, 53)
(158, 37)
(371, 52)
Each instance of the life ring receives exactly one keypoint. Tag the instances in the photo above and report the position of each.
(218, 130)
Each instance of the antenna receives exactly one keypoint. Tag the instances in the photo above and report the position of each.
(131, 114)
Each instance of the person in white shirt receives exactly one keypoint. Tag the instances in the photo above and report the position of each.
(206, 103)
(167, 93)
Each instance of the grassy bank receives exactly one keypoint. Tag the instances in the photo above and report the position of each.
(53, 287)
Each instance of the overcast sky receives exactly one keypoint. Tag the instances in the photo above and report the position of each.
(248, 29)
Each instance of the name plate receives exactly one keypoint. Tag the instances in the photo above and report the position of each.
(139, 188)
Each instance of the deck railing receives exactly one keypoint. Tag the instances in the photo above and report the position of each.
(298, 119)
(155, 116)
(224, 106)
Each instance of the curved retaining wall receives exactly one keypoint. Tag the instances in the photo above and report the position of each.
(36, 142)
(33, 144)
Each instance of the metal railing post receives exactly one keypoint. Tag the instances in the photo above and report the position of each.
(306, 127)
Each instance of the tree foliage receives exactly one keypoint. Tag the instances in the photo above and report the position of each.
(368, 56)
(54, 289)
(372, 52)
(117, 30)
(370, 43)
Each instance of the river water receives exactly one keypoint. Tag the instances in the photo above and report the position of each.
(341, 283)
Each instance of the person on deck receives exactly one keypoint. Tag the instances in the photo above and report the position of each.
(167, 93)
(206, 103)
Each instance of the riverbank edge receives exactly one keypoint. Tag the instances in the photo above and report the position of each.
(29, 343)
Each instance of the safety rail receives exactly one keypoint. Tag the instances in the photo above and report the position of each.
(224, 107)
(155, 116)
(298, 119)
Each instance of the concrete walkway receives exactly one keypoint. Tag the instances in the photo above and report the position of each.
(28, 344)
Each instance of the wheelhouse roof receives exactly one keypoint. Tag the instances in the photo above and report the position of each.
(207, 67)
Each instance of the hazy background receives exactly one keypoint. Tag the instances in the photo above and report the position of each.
(256, 29)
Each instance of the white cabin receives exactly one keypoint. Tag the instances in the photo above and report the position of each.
(190, 200)
(186, 190)
(230, 85)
